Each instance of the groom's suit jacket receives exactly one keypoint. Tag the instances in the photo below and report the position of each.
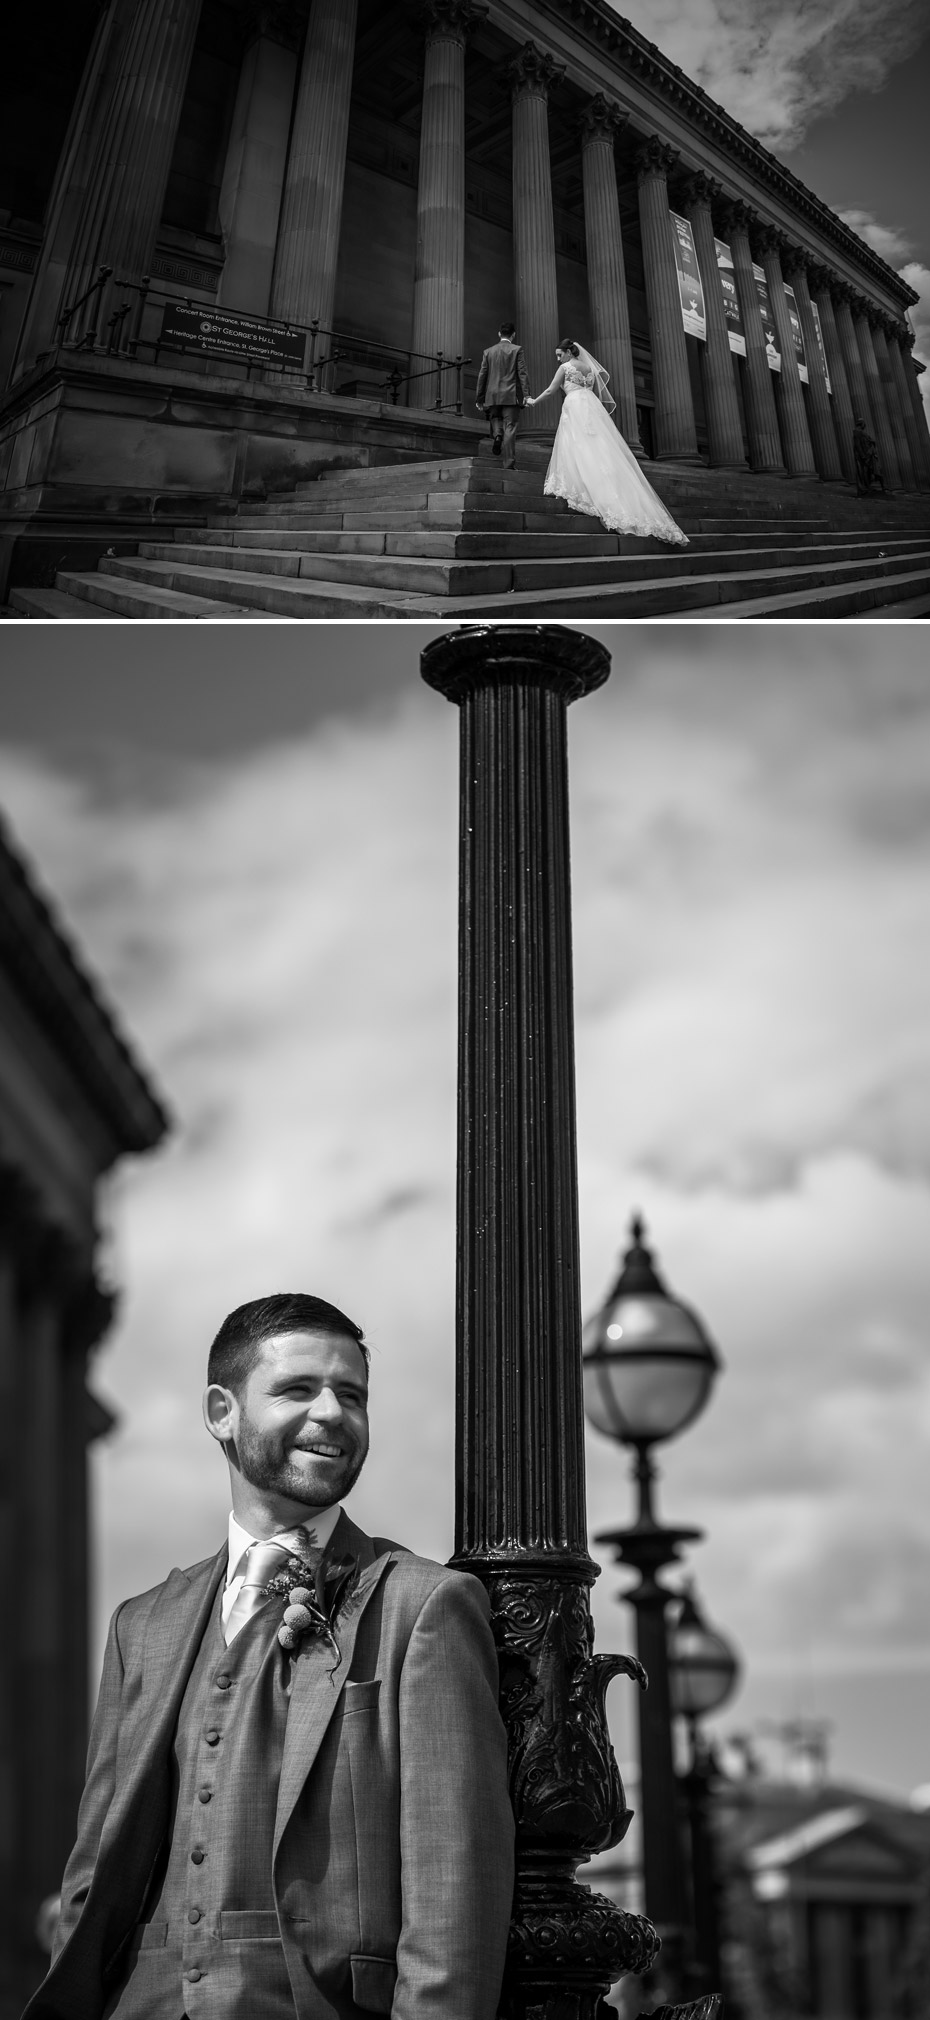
(503, 380)
(392, 1831)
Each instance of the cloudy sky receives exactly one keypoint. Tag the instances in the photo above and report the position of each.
(254, 836)
(838, 90)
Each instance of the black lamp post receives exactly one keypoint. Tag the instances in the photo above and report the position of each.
(704, 1672)
(649, 1366)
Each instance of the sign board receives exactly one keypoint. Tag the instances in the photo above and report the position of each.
(689, 279)
(815, 312)
(798, 335)
(219, 333)
(731, 305)
(772, 351)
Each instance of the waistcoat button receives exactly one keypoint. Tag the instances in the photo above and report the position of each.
(212, 1737)
(192, 1976)
(193, 1914)
(223, 1682)
(204, 1795)
(197, 1858)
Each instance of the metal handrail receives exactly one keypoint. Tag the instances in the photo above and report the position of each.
(123, 336)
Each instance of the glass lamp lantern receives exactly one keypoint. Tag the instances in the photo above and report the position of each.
(649, 1363)
(703, 1669)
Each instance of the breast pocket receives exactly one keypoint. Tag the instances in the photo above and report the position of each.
(361, 1696)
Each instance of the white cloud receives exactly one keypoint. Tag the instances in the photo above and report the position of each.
(778, 64)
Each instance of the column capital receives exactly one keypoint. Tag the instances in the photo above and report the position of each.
(794, 261)
(737, 216)
(655, 158)
(281, 21)
(701, 191)
(907, 339)
(769, 240)
(450, 20)
(860, 304)
(601, 120)
(533, 71)
(508, 655)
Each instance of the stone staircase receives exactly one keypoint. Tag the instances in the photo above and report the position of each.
(465, 539)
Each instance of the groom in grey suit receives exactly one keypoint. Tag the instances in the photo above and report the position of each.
(502, 387)
(291, 1816)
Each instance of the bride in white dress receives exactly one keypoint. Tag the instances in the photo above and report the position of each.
(591, 466)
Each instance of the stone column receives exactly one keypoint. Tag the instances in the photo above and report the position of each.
(531, 75)
(761, 414)
(304, 285)
(721, 406)
(823, 433)
(125, 190)
(861, 311)
(840, 395)
(899, 342)
(861, 405)
(799, 453)
(253, 178)
(439, 284)
(676, 436)
(610, 311)
(892, 405)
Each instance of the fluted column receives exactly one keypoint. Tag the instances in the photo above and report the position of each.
(886, 449)
(899, 342)
(531, 75)
(823, 433)
(840, 395)
(721, 406)
(676, 435)
(861, 404)
(520, 1513)
(304, 286)
(761, 413)
(125, 190)
(607, 294)
(253, 177)
(799, 453)
(892, 405)
(439, 282)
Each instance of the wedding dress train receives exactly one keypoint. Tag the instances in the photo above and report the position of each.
(593, 469)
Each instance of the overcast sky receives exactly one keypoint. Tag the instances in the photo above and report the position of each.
(254, 836)
(838, 90)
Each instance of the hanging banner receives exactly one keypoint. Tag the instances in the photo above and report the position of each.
(730, 299)
(772, 351)
(815, 312)
(798, 334)
(689, 280)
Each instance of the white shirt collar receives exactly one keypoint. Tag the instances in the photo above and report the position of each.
(322, 1522)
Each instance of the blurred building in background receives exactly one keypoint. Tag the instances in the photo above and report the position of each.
(73, 1099)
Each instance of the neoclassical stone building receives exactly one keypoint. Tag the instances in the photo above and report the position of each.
(402, 173)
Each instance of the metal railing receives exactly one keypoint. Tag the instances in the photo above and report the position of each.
(116, 317)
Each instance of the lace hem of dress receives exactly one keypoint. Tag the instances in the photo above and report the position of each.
(673, 536)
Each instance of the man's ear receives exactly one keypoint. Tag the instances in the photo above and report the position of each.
(221, 1413)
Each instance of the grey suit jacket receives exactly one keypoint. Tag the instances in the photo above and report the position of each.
(392, 1862)
(503, 380)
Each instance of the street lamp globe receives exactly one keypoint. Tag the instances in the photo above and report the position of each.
(649, 1363)
(703, 1668)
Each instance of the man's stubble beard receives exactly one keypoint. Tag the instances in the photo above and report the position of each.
(272, 1472)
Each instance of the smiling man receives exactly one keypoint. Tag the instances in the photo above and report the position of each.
(296, 1800)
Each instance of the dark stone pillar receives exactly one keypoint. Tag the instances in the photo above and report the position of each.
(892, 405)
(721, 406)
(304, 286)
(823, 433)
(862, 328)
(439, 284)
(799, 454)
(840, 394)
(253, 178)
(532, 74)
(520, 1513)
(761, 415)
(918, 409)
(606, 273)
(899, 338)
(676, 436)
(861, 404)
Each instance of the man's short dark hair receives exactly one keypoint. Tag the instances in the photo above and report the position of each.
(507, 330)
(238, 1343)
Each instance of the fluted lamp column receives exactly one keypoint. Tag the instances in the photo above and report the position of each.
(823, 434)
(532, 74)
(304, 286)
(676, 435)
(610, 311)
(840, 394)
(799, 454)
(721, 406)
(862, 329)
(892, 404)
(762, 418)
(520, 1503)
(439, 282)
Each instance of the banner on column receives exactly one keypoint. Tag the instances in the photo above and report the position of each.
(815, 312)
(772, 351)
(731, 305)
(689, 280)
(798, 334)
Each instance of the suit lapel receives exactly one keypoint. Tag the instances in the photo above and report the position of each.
(315, 1692)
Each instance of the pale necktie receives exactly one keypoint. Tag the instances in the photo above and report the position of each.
(262, 1561)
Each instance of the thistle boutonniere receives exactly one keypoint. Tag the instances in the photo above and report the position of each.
(318, 1590)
